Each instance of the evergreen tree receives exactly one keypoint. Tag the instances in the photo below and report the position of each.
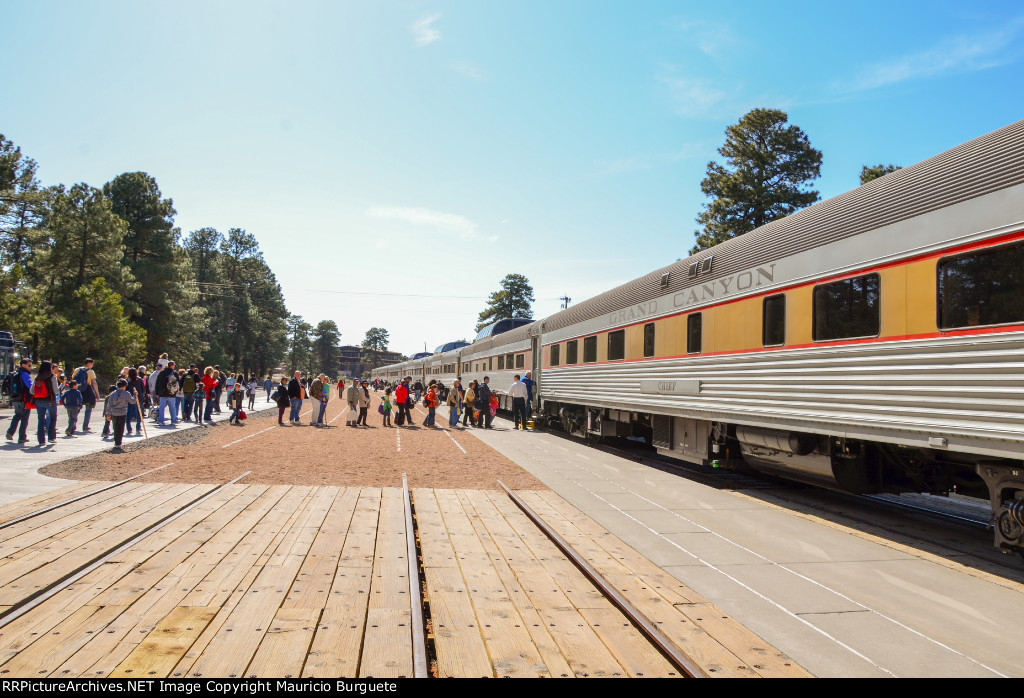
(375, 342)
(514, 299)
(869, 173)
(326, 356)
(299, 343)
(769, 165)
(149, 245)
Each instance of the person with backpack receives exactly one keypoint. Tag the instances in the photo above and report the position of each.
(90, 389)
(483, 400)
(385, 407)
(430, 402)
(44, 396)
(167, 388)
(188, 389)
(21, 398)
(115, 409)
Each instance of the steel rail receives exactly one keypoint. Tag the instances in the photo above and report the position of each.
(672, 652)
(419, 633)
(34, 514)
(29, 602)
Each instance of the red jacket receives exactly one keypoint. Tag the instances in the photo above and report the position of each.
(401, 394)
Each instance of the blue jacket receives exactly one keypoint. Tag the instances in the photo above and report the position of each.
(528, 382)
(72, 398)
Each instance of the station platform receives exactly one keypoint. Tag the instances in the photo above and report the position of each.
(286, 581)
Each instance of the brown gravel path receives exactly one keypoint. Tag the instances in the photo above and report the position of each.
(373, 456)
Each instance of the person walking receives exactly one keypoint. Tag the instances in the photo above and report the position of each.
(235, 398)
(115, 409)
(454, 404)
(44, 396)
(268, 385)
(21, 399)
(295, 392)
(72, 401)
(483, 400)
(90, 389)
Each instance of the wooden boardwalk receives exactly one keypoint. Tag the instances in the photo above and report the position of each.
(288, 581)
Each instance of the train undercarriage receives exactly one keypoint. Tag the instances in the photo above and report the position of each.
(835, 462)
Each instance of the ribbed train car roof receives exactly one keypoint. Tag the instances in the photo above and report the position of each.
(992, 162)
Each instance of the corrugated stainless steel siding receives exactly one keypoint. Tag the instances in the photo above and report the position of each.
(952, 386)
(987, 164)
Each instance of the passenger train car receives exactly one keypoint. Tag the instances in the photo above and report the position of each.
(873, 342)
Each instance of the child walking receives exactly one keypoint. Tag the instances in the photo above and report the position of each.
(72, 399)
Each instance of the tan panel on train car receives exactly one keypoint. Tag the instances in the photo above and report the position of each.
(670, 336)
(728, 327)
(799, 317)
(894, 302)
(635, 342)
(922, 303)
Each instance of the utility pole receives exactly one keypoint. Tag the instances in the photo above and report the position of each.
(565, 301)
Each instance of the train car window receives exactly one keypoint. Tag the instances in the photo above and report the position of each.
(616, 345)
(773, 321)
(648, 340)
(590, 349)
(847, 309)
(693, 328)
(555, 352)
(520, 360)
(490, 364)
(508, 361)
(501, 362)
(982, 288)
(571, 352)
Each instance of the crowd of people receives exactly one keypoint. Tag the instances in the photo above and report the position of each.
(169, 394)
(166, 395)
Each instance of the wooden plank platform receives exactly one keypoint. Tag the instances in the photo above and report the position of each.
(286, 581)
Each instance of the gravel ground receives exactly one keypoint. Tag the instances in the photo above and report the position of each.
(336, 455)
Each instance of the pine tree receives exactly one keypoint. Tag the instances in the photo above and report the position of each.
(769, 165)
(513, 300)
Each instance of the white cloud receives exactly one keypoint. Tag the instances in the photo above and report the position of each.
(695, 96)
(423, 33)
(438, 220)
(712, 38)
(469, 70)
(957, 54)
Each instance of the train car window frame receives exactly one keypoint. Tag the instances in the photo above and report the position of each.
(590, 349)
(1009, 257)
(520, 360)
(649, 340)
(694, 329)
(501, 362)
(617, 345)
(766, 340)
(818, 292)
(508, 361)
(555, 356)
(572, 353)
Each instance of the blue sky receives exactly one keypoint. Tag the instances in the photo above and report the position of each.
(429, 148)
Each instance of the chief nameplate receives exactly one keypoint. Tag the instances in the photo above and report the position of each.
(674, 387)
